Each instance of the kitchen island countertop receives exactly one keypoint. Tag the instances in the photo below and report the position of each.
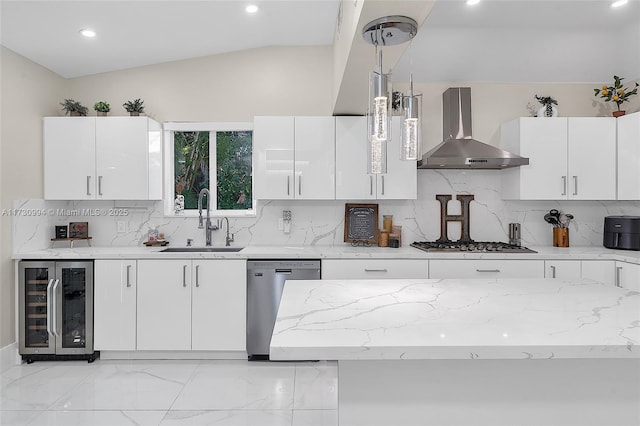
(456, 319)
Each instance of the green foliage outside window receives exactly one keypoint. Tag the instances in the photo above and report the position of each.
(233, 168)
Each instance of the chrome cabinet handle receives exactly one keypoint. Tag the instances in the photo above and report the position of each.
(49, 308)
(487, 270)
(575, 185)
(564, 185)
(55, 308)
(553, 271)
(370, 185)
(184, 275)
(375, 270)
(300, 185)
(197, 274)
(288, 185)
(618, 269)
(99, 185)
(128, 280)
(382, 184)
(88, 185)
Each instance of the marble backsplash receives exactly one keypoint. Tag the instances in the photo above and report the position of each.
(321, 222)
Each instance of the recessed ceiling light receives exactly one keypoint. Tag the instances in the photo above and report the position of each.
(472, 2)
(619, 3)
(87, 33)
(252, 8)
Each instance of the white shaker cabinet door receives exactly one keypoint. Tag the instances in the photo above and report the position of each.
(114, 318)
(164, 305)
(352, 180)
(273, 147)
(219, 305)
(122, 158)
(401, 180)
(69, 158)
(314, 158)
(592, 158)
(628, 276)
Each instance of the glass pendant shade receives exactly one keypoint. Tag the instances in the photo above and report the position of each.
(379, 121)
(411, 130)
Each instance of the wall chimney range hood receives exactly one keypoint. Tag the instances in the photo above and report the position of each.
(459, 150)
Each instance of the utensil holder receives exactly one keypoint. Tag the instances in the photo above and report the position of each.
(561, 237)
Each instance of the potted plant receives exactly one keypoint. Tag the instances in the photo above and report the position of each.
(102, 108)
(134, 108)
(547, 109)
(616, 93)
(74, 108)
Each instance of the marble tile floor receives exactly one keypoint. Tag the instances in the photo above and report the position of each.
(114, 393)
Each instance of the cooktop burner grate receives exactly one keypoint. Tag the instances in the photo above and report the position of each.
(471, 246)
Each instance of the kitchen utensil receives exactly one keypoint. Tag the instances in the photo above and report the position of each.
(551, 219)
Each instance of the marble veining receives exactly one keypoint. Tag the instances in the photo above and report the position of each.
(320, 223)
(456, 319)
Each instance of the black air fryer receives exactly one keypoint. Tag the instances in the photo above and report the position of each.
(622, 232)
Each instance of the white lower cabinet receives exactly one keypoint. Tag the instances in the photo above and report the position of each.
(345, 269)
(562, 269)
(191, 305)
(454, 268)
(627, 276)
(114, 317)
(599, 270)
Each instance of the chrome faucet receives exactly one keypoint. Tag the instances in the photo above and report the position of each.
(228, 239)
(208, 227)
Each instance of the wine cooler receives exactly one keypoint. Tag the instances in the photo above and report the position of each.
(56, 310)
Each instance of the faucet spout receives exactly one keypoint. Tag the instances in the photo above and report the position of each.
(228, 239)
(208, 227)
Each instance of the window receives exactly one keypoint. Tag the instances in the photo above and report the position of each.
(216, 156)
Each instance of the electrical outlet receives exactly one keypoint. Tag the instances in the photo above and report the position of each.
(286, 214)
(122, 227)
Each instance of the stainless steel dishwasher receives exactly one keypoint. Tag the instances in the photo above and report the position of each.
(265, 283)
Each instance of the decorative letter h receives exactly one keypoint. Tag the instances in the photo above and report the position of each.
(462, 218)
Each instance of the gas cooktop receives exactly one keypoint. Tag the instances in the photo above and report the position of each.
(470, 246)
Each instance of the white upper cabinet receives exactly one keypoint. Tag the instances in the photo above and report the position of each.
(352, 180)
(569, 158)
(629, 157)
(294, 158)
(105, 158)
(314, 158)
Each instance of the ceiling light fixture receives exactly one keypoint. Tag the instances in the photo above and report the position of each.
(385, 31)
(252, 8)
(411, 132)
(472, 2)
(85, 32)
(619, 3)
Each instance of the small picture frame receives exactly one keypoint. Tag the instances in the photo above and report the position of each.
(78, 229)
(361, 223)
(61, 231)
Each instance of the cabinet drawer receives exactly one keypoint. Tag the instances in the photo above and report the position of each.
(337, 269)
(486, 269)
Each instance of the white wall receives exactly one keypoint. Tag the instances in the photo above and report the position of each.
(29, 92)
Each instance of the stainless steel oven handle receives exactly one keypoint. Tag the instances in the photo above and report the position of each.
(55, 307)
(487, 270)
(49, 307)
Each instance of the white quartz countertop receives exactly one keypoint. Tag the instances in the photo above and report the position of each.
(455, 319)
(345, 251)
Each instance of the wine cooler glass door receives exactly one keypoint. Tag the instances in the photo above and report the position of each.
(36, 310)
(74, 307)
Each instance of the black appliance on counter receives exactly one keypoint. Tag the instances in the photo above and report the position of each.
(622, 232)
(470, 246)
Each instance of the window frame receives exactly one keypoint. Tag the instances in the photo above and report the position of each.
(169, 177)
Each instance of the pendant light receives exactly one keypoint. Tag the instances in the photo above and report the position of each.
(411, 131)
(385, 31)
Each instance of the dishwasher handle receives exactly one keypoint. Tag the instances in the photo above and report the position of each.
(284, 271)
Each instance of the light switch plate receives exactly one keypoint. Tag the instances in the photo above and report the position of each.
(280, 224)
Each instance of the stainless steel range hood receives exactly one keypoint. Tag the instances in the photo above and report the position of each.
(459, 150)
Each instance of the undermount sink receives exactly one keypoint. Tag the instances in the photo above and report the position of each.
(202, 249)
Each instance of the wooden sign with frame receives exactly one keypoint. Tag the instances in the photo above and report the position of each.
(361, 223)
